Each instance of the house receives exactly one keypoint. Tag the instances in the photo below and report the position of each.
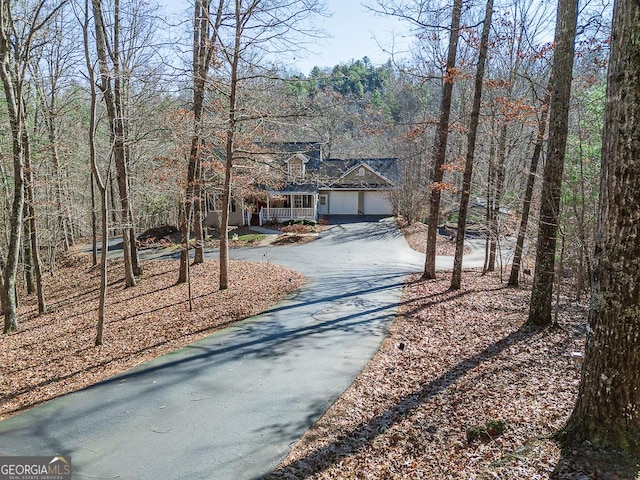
(315, 186)
(358, 186)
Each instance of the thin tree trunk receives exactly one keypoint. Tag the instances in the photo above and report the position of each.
(115, 219)
(104, 215)
(94, 222)
(490, 194)
(198, 231)
(456, 277)
(204, 41)
(101, 184)
(514, 276)
(183, 272)
(27, 257)
(33, 229)
(498, 192)
(111, 92)
(440, 144)
(542, 292)
(230, 152)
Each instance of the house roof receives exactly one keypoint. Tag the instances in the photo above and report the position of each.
(311, 150)
(335, 169)
(308, 188)
(332, 172)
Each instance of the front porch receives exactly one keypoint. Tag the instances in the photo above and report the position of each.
(289, 207)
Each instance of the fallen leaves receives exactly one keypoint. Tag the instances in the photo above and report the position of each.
(54, 353)
(454, 362)
(416, 236)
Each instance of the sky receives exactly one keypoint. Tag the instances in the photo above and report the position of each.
(353, 32)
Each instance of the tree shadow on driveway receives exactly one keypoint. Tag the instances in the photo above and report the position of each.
(319, 460)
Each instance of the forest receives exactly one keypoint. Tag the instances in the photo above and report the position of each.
(118, 118)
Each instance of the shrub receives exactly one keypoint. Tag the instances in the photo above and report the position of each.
(298, 228)
(300, 221)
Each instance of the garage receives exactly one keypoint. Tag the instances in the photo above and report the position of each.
(343, 203)
(377, 203)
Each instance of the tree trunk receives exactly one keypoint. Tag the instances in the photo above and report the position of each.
(456, 277)
(514, 276)
(542, 292)
(498, 192)
(27, 258)
(183, 272)
(230, 152)
(104, 215)
(607, 413)
(440, 144)
(14, 106)
(203, 50)
(33, 229)
(101, 184)
(491, 172)
(94, 222)
(63, 217)
(110, 86)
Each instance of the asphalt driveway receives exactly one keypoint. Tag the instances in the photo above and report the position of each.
(232, 405)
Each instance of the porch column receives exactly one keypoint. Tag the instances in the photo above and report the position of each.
(291, 206)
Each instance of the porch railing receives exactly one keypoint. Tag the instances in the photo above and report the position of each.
(280, 214)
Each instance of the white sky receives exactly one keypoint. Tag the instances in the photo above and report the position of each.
(353, 32)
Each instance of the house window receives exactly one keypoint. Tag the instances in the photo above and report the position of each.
(295, 170)
(323, 199)
(302, 201)
(361, 172)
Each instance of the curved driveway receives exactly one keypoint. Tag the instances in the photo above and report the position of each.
(232, 405)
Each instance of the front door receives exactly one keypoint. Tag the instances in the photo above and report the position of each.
(323, 204)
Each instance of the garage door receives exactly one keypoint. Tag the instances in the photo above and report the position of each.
(343, 203)
(377, 203)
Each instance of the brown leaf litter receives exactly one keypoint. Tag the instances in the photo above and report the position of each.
(461, 388)
(54, 353)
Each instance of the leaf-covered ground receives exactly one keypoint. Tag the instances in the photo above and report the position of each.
(461, 388)
(54, 353)
(416, 236)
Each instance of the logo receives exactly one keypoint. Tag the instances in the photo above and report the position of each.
(35, 468)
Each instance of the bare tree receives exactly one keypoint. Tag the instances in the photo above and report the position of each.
(440, 144)
(97, 176)
(456, 277)
(562, 74)
(528, 194)
(205, 34)
(249, 31)
(49, 69)
(16, 42)
(113, 89)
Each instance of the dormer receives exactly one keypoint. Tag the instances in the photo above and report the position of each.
(296, 166)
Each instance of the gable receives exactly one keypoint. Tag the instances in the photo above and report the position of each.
(363, 174)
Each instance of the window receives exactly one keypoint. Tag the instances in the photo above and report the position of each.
(296, 170)
(361, 172)
(302, 201)
(323, 199)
